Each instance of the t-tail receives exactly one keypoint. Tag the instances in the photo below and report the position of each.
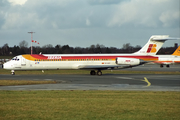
(154, 44)
(177, 52)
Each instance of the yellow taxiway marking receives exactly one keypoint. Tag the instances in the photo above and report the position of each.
(146, 80)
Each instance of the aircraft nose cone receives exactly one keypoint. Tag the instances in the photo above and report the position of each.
(4, 66)
(7, 66)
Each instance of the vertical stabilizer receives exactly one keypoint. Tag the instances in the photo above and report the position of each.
(177, 52)
(153, 45)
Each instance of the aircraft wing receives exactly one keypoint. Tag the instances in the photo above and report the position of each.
(104, 67)
(97, 66)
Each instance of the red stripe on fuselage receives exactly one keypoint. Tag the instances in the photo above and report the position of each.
(39, 56)
(36, 56)
(106, 57)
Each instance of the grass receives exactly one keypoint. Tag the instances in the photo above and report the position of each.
(89, 105)
(23, 82)
(86, 105)
(2, 71)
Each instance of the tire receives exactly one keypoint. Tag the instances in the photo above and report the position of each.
(99, 73)
(92, 72)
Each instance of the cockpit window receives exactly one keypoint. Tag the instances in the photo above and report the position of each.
(15, 59)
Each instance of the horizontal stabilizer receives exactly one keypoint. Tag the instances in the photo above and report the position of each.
(164, 39)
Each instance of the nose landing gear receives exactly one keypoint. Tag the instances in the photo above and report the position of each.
(12, 72)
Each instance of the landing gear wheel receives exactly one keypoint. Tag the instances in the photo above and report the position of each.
(161, 65)
(92, 72)
(167, 66)
(12, 72)
(99, 73)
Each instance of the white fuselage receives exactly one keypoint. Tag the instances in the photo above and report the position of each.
(72, 61)
(83, 61)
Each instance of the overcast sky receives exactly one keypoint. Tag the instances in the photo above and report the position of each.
(81, 23)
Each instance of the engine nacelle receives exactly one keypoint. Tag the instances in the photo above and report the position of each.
(128, 61)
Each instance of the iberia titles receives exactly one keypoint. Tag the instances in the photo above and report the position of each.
(54, 57)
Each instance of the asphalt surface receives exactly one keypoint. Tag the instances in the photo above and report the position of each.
(145, 82)
(155, 67)
(151, 67)
(105, 82)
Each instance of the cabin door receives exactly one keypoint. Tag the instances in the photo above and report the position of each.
(23, 61)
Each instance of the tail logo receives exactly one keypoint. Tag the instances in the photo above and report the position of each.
(152, 48)
(178, 50)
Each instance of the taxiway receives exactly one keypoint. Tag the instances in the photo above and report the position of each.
(156, 82)
(106, 82)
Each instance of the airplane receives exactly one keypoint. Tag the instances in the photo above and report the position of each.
(169, 59)
(92, 62)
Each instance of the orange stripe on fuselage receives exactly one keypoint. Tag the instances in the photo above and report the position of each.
(42, 57)
(145, 58)
(34, 57)
(29, 57)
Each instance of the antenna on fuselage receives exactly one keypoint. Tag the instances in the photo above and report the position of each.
(31, 41)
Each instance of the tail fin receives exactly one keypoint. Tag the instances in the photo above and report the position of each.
(153, 45)
(177, 52)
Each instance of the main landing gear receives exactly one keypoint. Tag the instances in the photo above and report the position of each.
(161, 65)
(96, 73)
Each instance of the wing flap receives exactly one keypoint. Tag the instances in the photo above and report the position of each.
(97, 66)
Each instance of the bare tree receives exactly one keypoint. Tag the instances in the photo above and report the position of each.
(23, 44)
(5, 49)
(126, 46)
